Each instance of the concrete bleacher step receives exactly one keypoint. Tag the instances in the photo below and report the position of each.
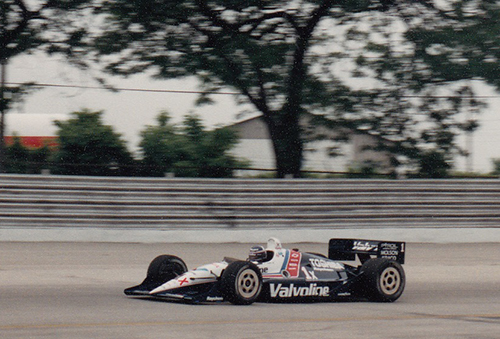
(170, 203)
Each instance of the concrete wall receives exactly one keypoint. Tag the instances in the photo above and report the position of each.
(126, 209)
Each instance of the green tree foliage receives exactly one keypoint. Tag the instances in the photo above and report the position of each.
(433, 164)
(496, 166)
(88, 147)
(358, 64)
(18, 28)
(188, 151)
(262, 49)
(46, 25)
(402, 70)
(207, 152)
(27, 26)
(19, 159)
(465, 45)
(428, 93)
(161, 147)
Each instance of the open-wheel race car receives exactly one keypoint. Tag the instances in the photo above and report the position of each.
(353, 270)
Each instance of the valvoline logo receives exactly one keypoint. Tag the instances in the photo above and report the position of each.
(313, 290)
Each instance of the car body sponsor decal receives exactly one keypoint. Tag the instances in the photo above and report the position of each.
(293, 264)
(313, 290)
(322, 264)
(365, 246)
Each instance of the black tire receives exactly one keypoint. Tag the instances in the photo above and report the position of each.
(383, 280)
(241, 283)
(164, 268)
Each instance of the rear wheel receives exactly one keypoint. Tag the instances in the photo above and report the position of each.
(241, 283)
(383, 280)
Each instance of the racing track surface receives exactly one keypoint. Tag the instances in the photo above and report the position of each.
(74, 290)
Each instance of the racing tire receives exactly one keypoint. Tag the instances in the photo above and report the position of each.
(383, 280)
(241, 283)
(164, 268)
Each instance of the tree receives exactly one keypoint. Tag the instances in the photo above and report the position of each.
(47, 25)
(300, 58)
(161, 147)
(433, 164)
(206, 153)
(430, 70)
(14, 20)
(26, 26)
(258, 48)
(496, 166)
(17, 29)
(465, 45)
(88, 147)
(188, 151)
(20, 159)
(292, 59)
(17, 157)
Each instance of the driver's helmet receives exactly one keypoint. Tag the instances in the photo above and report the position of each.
(257, 253)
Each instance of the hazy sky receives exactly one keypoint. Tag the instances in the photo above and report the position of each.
(130, 112)
(127, 111)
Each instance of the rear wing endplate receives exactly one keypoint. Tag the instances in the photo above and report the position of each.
(347, 249)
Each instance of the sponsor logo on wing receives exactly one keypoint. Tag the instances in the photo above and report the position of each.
(389, 251)
(325, 264)
(389, 246)
(364, 246)
(313, 290)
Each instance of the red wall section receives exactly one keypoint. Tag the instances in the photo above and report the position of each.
(33, 142)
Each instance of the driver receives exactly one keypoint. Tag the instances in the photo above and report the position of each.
(257, 254)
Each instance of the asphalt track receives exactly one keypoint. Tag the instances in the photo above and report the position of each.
(74, 290)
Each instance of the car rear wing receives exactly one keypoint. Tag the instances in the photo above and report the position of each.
(347, 249)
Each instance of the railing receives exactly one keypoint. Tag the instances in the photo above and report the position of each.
(43, 201)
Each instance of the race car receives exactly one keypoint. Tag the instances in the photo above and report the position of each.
(353, 270)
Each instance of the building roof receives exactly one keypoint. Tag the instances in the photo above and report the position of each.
(252, 128)
(32, 124)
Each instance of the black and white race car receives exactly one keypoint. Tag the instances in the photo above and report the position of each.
(354, 270)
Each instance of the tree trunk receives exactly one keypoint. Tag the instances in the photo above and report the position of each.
(287, 145)
(3, 110)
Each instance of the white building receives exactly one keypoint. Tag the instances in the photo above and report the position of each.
(256, 146)
(34, 130)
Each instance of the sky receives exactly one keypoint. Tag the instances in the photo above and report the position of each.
(130, 112)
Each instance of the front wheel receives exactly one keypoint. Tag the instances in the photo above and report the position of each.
(382, 280)
(165, 267)
(241, 283)
(162, 269)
